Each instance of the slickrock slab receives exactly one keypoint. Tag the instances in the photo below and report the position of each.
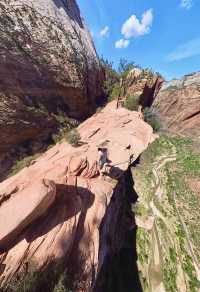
(86, 211)
(23, 208)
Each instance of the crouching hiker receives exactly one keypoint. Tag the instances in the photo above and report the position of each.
(102, 160)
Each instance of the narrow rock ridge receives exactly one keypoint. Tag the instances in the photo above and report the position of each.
(82, 215)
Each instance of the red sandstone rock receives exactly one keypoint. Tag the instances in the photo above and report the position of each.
(143, 84)
(178, 103)
(23, 208)
(86, 209)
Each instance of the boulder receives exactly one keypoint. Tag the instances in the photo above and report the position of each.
(23, 208)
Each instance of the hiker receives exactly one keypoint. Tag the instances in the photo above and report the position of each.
(141, 116)
(103, 159)
(120, 101)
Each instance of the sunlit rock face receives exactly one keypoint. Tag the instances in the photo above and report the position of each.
(71, 212)
(143, 84)
(48, 68)
(178, 103)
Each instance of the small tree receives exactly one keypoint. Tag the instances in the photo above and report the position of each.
(74, 138)
(111, 77)
(125, 67)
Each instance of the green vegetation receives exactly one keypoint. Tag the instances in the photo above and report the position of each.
(22, 163)
(175, 208)
(132, 103)
(54, 278)
(152, 118)
(112, 87)
(115, 92)
(74, 138)
(71, 136)
(111, 79)
(125, 67)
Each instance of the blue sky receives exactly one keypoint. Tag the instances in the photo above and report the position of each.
(161, 34)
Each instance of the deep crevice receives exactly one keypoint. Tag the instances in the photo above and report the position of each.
(120, 271)
(191, 116)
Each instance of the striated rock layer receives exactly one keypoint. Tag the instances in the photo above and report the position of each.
(49, 69)
(178, 103)
(83, 212)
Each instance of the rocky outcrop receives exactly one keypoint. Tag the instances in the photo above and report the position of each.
(83, 220)
(49, 69)
(143, 84)
(178, 103)
(33, 202)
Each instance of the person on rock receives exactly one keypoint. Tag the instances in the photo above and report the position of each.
(141, 116)
(102, 160)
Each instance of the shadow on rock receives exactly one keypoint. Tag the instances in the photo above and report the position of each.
(70, 201)
(120, 272)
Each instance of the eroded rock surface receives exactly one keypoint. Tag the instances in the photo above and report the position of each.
(178, 103)
(49, 69)
(82, 220)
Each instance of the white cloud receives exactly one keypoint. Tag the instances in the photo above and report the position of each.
(104, 32)
(122, 44)
(185, 51)
(134, 28)
(187, 4)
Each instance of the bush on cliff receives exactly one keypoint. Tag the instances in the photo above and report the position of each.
(152, 118)
(125, 67)
(115, 93)
(111, 78)
(53, 278)
(74, 138)
(132, 102)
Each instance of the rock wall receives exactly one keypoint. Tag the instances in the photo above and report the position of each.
(48, 68)
(178, 103)
(143, 84)
(68, 212)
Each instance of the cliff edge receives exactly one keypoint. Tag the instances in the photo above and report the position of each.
(60, 208)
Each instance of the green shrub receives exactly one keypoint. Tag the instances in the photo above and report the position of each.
(74, 138)
(53, 278)
(115, 92)
(22, 163)
(152, 118)
(132, 103)
(60, 135)
(111, 77)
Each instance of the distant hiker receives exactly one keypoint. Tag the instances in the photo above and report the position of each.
(141, 116)
(120, 102)
(103, 159)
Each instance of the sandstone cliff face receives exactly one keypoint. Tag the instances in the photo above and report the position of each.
(179, 105)
(66, 210)
(143, 84)
(48, 68)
